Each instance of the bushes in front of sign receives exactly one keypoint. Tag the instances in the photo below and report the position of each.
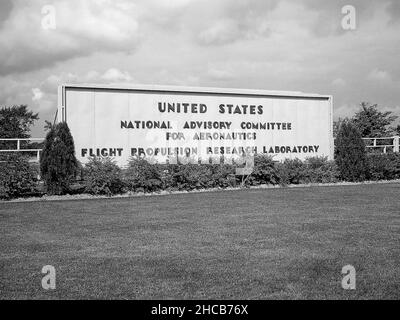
(312, 170)
(142, 176)
(102, 176)
(224, 175)
(292, 171)
(58, 164)
(350, 153)
(265, 171)
(384, 166)
(17, 177)
(186, 177)
(321, 170)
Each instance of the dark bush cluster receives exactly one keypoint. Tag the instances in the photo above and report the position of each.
(103, 177)
(17, 177)
(383, 166)
(197, 176)
(350, 153)
(58, 164)
(142, 176)
(312, 170)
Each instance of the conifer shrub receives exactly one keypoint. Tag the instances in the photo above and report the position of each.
(350, 153)
(58, 164)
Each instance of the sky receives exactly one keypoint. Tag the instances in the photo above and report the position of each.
(300, 45)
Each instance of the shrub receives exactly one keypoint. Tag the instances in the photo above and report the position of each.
(196, 176)
(223, 175)
(103, 177)
(350, 153)
(17, 177)
(292, 171)
(58, 164)
(384, 166)
(320, 170)
(192, 176)
(141, 175)
(265, 171)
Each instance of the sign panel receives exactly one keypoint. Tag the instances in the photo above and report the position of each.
(162, 123)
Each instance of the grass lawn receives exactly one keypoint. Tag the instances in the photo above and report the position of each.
(251, 244)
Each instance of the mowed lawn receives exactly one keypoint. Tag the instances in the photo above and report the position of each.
(251, 244)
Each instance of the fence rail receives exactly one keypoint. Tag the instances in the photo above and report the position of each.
(19, 149)
(375, 145)
(394, 146)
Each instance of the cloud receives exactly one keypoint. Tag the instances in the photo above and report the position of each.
(114, 75)
(220, 32)
(220, 74)
(345, 111)
(265, 44)
(5, 10)
(230, 21)
(82, 28)
(37, 94)
(379, 75)
(339, 82)
(394, 11)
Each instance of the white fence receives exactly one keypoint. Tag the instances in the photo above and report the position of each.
(19, 149)
(374, 144)
(371, 143)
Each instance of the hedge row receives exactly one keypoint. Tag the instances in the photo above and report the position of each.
(101, 176)
(104, 177)
(17, 177)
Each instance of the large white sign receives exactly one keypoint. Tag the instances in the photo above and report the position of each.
(162, 123)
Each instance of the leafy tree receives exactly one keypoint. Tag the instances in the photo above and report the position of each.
(336, 126)
(396, 130)
(48, 125)
(58, 164)
(373, 123)
(15, 122)
(350, 153)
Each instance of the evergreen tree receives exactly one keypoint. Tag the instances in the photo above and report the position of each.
(58, 164)
(373, 123)
(350, 153)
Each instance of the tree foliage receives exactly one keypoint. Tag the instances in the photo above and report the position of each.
(350, 153)
(372, 123)
(397, 130)
(58, 164)
(15, 122)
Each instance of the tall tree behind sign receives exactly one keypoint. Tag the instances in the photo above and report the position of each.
(15, 122)
(372, 123)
